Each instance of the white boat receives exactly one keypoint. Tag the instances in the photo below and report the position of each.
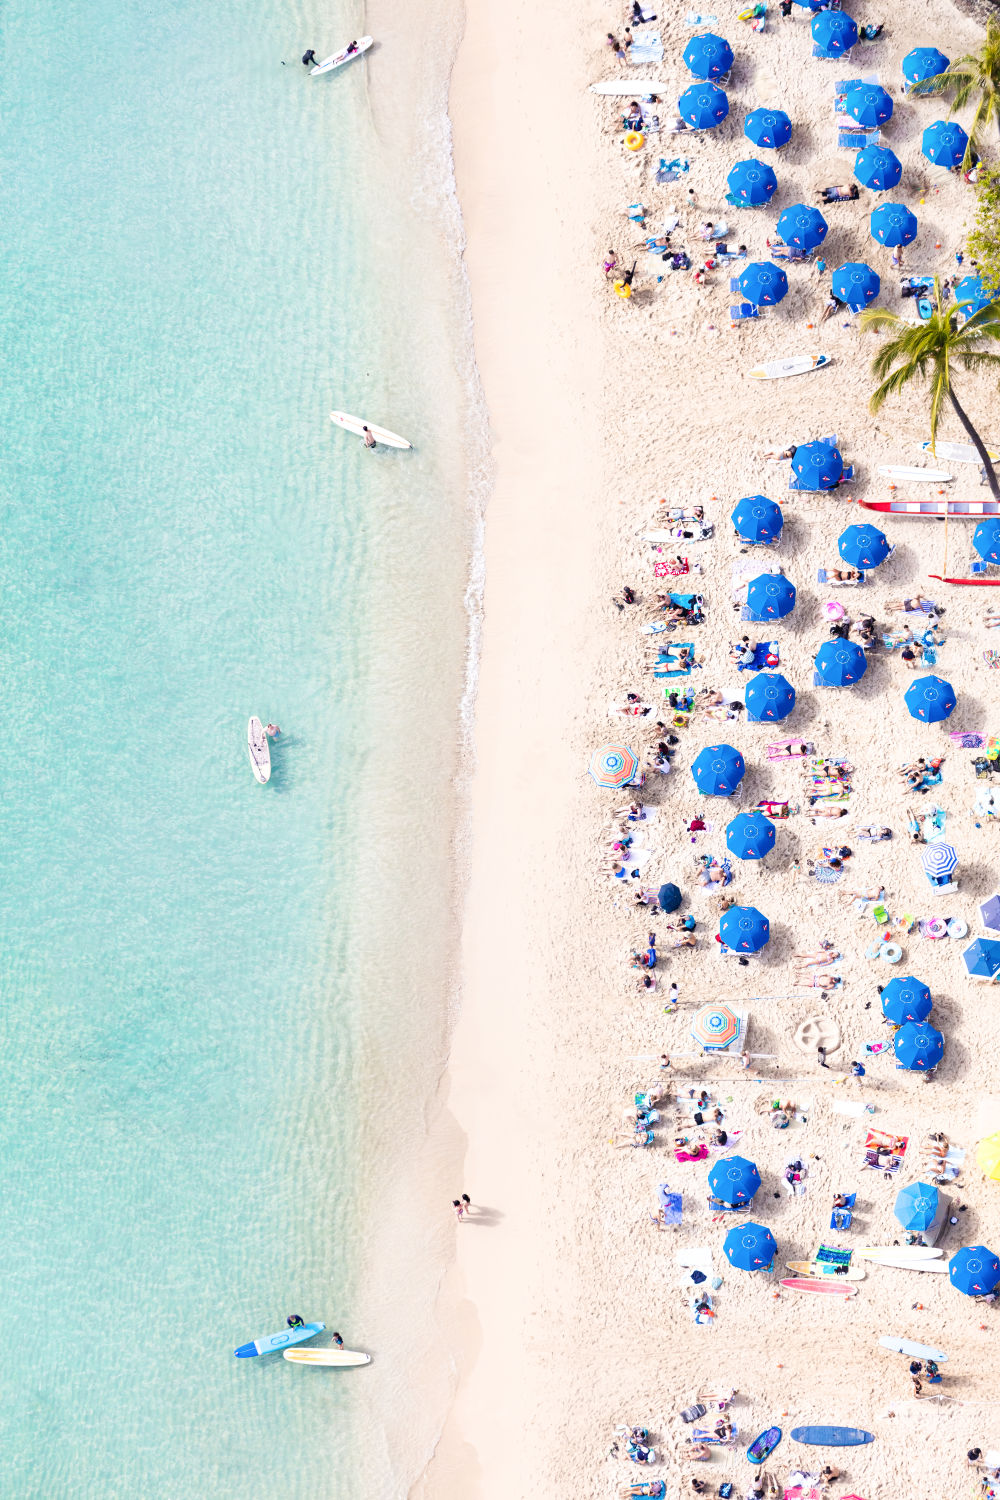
(342, 1358)
(958, 453)
(338, 59)
(905, 475)
(259, 750)
(796, 364)
(629, 88)
(358, 424)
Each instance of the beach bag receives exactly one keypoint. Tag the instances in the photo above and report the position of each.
(692, 1413)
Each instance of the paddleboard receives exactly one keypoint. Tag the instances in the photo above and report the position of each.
(275, 1341)
(915, 1351)
(826, 1268)
(338, 59)
(796, 364)
(259, 750)
(907, 475)
(818, 1284)
(902, 1252)
(901, 1264)
(957, 453)
(825, 1437)
(629, 88)
(339, 1357)
(380, 434)
(762, 1447)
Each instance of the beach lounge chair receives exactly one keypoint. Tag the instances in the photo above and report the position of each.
(788, 749)
(718, 1207)
(822, 576)
(745, 312)
(858, 139)
(841, 1218)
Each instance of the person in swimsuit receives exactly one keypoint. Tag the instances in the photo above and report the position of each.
(368, 436)
(309, 59)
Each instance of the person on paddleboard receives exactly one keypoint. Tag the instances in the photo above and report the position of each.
(295, 1320)
(309, 59)
(368, 436)
(352, 47)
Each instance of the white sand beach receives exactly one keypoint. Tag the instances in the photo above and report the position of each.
(568, 1309)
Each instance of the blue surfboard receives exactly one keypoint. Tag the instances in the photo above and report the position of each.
(762, 1447)
(275, 1341)
(833, 1437)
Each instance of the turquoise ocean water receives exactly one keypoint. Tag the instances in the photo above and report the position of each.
(221, 1003)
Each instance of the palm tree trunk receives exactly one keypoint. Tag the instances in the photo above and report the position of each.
(978, 444)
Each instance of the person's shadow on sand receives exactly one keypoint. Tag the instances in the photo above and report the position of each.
(482, 1214)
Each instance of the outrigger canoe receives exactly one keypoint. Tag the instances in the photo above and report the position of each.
(970, 510)
(978, 583)
(275, 1341)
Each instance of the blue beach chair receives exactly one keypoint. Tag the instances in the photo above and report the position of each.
(745, 312)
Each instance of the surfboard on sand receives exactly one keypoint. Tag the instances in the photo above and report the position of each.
(958, 453)
(818, 1268)
(342, 1358)
(629, 88)
(825, 1284)
(915, 1351)
(763, 1446)
(380, 434)
(796, 364)
(833, 1437)
(900, 1263)
(259, 750)
(904, 474)
(903, 1252)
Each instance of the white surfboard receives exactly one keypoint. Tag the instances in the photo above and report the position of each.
(914, 476)
(900, 1263)
(338, 59)
(259, 750)
(958, 453)
(915, 1351)
(380, 434)
(342, 1358)
(629, 88)
(901, 1252)
(796, 364)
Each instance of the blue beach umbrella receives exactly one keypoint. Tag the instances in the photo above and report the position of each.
(906, 999)
(763, 283)
(870, 105)
(744, 929)
(668, 897)
(757, 519)
(817, 466)
(856, 284)
(718, 770)
(708, 56)
(989, 913)
(769, 698)
(703, 106)
(834, 32)
(982, 958)
(923, 63)
(893, 224)
(768, 128)
(944, 143)
(973, 295)
(770, 597)
(918, 1046)
(840, 663)
(986, 540)
(752, 182)
(750, 836)
(930, 699)
(863, 546)
(750, 1247)
(878, 168)
(916, 1206)
(802, 226)
(734, 1179)
(974, 1271)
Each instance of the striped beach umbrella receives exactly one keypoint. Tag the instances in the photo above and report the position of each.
(613, 765)
(939, 860)
(716, 1027)
(750, 1247)
(930, 699)
(768, 128)
(734, 1179)
(708, 56)
(878, 168)
(918, 1046)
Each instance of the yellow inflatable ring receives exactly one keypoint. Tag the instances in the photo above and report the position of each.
(623, 289)
(634, 140)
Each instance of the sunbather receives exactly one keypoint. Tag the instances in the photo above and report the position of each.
(842, 575)
(778, 455)
(826, 953)
(809, 980)
(707, 698)
(917, 605)
(839, 194)
(789, 749)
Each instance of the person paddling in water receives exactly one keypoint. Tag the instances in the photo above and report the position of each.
(309, 59)
(272, 731)
(368, 436)
(294, 1320)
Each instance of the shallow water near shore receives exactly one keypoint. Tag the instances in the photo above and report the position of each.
(207, 984)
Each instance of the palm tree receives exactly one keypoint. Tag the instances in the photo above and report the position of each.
(930, 351)
(974, 77)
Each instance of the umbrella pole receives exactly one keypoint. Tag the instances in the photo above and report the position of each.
(945, 568)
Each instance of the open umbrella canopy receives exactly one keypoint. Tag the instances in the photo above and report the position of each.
(769, 698)
(863, 546)
(802, 226)
(708, 56)
(750, 1247)
(855, 283)
(870, 105)
(668, 897)
(770, 597)
(757, 519)
(734, 1179)
(744, 929)
(893, 224)
(817, 466)
(973, 294)
(974, 1271)
(716, 1027)
(986, 539)
(768, 128)
(918, 1046)
(944, 143)
(834, 32)
(923, 63)
(752, 182)
(906, 999)
(718, 770)
(916, 1206)
(939, 860)
(703, 106)
(750, 835)
(763, 283)
(840, 663)
(930, 699)
(878, 168)
(613, 765)
(988, 1156)
(982, 958)
(989, 912)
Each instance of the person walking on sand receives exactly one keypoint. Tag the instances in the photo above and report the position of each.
(616, 46)
(466, 1203)
(459, 1208)
(368, 436)
(821, 1054)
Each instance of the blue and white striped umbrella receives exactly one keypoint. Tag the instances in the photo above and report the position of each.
(939, 859)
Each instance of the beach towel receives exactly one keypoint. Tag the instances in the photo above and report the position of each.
(672, 1205)
(966, 740)
(826, 876)
(698, 1155)
(646, 47)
